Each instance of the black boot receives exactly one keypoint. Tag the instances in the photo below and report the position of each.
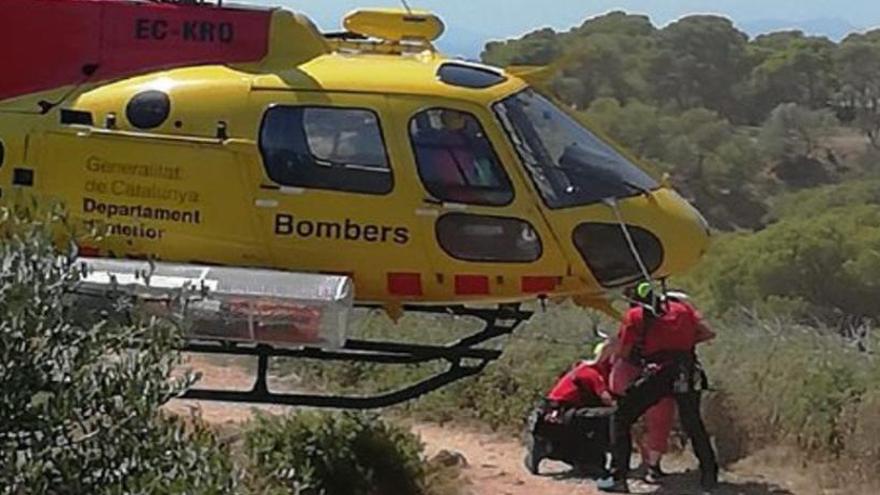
(612, 485)
(654, 475)
(709, 480)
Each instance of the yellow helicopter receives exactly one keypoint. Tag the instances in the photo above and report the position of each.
(209, 135)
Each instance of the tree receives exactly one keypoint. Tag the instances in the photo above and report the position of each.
(699, 63)
(637, 125)
(817, 264)
(601, 70)
(710, 162)
(80, 394)
(791, 68)
(858, 101)
(536, 48)
(795, 131)
(618, 23)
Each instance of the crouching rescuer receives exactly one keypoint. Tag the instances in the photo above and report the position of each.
(572, 423)
(660, 335)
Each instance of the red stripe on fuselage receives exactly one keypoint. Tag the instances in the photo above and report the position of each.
(405, 284)
(472, 285)
(539, 285)
(47, 44)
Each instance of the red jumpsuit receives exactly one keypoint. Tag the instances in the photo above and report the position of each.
(583, 386)
(659, 418)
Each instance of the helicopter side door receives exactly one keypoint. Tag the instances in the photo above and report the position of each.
(488, 240)
(326, 189)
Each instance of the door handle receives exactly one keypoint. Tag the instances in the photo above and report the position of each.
(445, 205)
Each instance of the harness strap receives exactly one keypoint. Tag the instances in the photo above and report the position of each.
(637, 357)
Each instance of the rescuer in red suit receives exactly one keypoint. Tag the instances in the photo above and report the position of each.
(660, 335)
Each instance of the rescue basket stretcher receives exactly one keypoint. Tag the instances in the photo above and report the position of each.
(284, 309)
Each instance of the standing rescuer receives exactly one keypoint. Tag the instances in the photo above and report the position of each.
(661, 334)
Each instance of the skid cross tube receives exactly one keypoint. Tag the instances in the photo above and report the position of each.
(498, 321)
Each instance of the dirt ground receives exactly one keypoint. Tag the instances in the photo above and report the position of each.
(495, 467)
(494, 461)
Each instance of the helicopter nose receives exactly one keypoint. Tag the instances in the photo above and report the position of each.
(662, 235)
(683, 232)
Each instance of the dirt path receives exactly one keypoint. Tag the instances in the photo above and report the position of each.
(494, 462)
(495, 468)
(232, 373)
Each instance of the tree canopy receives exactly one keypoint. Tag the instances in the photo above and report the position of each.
(705, 61)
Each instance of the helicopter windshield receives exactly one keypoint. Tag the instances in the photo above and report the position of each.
(569, 165)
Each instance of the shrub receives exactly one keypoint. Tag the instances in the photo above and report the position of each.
(787, 382)
(335, 454)
(823, 266)
(80, 399)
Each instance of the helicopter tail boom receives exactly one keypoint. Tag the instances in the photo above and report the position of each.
(49, 44)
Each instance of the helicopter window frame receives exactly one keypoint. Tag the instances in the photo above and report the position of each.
(497, 256)
(502, 174)
(347, 170)
(549, 189)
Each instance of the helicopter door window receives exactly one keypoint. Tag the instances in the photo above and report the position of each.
(483, 238)
(455, 160)
(339, 149)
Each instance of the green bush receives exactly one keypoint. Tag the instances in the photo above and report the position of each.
(335, 454)
(79, 400)
(787, 383)
(824, 265)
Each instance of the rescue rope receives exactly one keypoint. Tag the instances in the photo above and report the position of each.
(612, 203)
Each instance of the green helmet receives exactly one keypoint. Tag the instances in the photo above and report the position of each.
(644, 290)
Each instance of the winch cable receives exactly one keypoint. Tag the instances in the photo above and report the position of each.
(633, 248)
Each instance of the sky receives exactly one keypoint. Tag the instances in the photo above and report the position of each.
(472, 22)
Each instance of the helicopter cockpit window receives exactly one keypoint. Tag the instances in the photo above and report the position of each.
(569, 165)
(455, 159)
(325, 148)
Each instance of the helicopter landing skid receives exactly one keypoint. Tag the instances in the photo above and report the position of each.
(464, 359)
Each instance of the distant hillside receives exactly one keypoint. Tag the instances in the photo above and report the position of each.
(467, 43)
(834, 28)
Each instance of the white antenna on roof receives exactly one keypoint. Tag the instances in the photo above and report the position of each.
(406, 6)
